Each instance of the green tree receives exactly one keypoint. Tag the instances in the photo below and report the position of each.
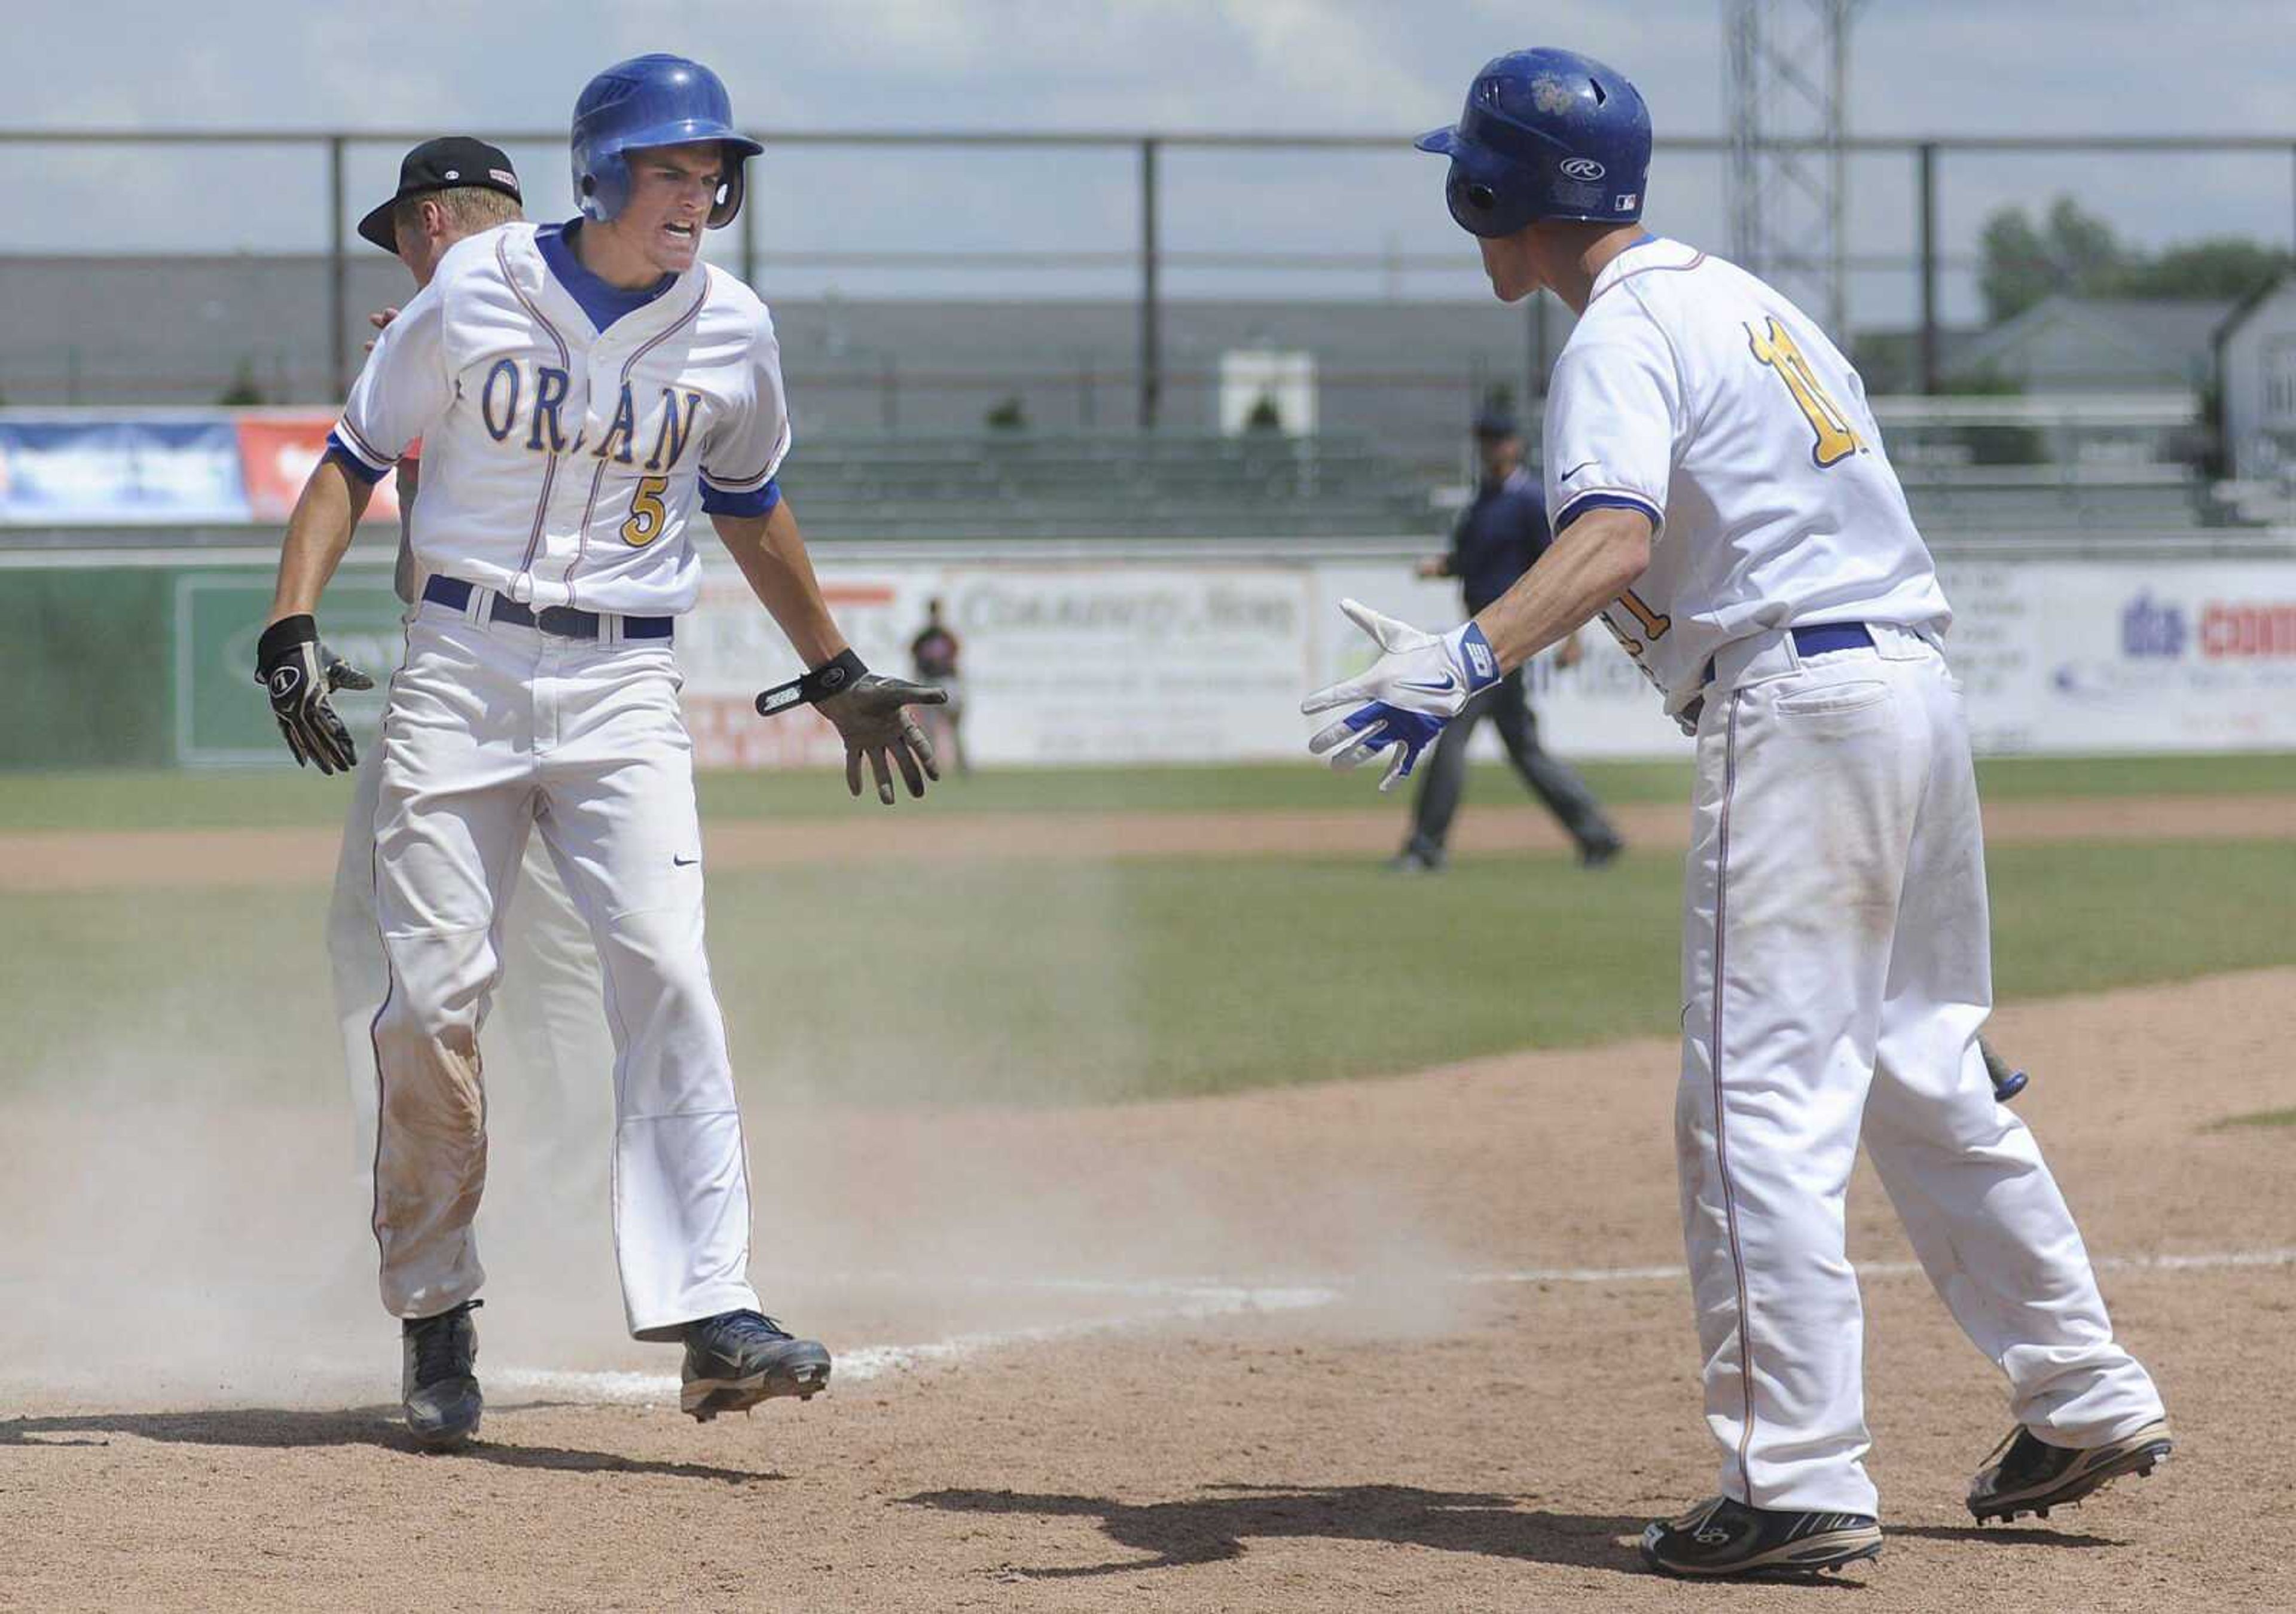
(2076, 252)
(2069, 251)
(243, 391)
(2220, 267)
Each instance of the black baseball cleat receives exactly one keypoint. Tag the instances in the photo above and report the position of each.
(738, 1358)
(440, 1386)
(2028, 1475)
(1720, 1538)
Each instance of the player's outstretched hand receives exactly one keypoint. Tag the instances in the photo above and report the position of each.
(1418, 684)
(871, 714)
(300, 673)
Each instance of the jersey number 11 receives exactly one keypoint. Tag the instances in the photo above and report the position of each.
(1837, 438)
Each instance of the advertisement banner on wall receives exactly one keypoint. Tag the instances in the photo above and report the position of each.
(1059, 664)
(120, 471)
(2101, 656)
(1155, 661)
(277, 454)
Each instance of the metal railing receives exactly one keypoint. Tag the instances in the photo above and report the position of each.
(1150, 257)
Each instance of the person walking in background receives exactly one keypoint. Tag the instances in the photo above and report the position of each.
(933, 652)
(1501, 532)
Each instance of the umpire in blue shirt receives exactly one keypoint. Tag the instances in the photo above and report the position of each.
(1501, 532)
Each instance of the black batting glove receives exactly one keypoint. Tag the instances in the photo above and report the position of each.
(300, 673)
(871, 715)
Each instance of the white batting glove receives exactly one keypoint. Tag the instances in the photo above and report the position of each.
(1418, 684)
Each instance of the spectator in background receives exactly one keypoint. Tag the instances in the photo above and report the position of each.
(1500, 533)
(934, 653)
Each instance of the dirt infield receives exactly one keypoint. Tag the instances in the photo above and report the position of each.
(66, 861)
(1415, 1343)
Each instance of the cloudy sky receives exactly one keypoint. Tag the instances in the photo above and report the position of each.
(1381, 67)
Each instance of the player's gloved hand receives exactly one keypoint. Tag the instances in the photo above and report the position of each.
(870, 714)
(300, 673)
(1416, 686)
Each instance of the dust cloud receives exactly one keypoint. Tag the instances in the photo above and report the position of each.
(184, 1231)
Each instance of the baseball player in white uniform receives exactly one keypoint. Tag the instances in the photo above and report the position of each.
(549, 1003)
(1722, 500)
(579, 390)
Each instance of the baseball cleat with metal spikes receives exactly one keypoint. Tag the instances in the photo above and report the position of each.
(1721, 1538)
(2027, 1475)
(438, 1387)
(738, 1358)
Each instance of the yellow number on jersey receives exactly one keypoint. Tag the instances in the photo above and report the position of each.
(1653, 624)
(1837, 438)
(647, 515)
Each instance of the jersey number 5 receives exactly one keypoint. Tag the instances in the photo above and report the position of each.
(1837, 438)
(647, 514)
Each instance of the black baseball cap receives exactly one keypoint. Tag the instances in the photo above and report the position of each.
(442, 165)
(1497, 423)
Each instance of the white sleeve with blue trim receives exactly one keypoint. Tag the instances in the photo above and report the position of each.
(403, 391)
(746, 448)
(1614, 414)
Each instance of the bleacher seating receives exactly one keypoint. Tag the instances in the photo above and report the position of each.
(1103, 485)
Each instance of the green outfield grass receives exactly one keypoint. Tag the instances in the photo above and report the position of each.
(267, 798)
(2265, 1120)
(1059, 981)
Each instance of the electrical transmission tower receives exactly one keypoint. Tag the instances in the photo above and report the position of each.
(1789, 70)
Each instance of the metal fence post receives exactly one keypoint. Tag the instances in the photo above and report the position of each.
(338, 335)
(1151, 362)
(1927, 154)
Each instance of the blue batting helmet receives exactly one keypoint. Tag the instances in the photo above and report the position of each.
(1547, 133)
(652, 100)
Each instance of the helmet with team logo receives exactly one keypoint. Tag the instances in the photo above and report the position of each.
(652, 100)
(1547, 133)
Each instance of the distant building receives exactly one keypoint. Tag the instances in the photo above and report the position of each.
(2065, 344)
(2256, 356)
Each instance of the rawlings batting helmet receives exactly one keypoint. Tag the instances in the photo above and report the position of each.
(652, 100)
(1547, 133)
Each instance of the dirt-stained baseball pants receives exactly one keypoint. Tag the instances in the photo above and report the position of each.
(491, 730)
(1836, 969)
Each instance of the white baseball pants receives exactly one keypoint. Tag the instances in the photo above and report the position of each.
(1836, 967)
(492, 729)
(548, 1017)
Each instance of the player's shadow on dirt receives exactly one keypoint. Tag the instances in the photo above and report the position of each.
(1212, 1528)
(1999, 1535)
(280, 1428)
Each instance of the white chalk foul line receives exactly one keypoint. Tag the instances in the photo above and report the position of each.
(1186, 1300)
(2202, 1262)
(1179, 1302)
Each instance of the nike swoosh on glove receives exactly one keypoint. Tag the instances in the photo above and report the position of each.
(1418, 684)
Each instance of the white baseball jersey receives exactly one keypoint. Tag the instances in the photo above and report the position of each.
(1693, 392)
(561, 466)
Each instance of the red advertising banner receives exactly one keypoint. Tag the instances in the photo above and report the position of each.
(276, 453)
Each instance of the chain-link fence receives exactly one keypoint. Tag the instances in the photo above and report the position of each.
(934, 282)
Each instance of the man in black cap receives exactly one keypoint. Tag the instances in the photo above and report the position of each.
(1500, 533)
(550, 1004)
(448, 188)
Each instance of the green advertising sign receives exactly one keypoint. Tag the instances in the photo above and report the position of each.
(221, 715)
